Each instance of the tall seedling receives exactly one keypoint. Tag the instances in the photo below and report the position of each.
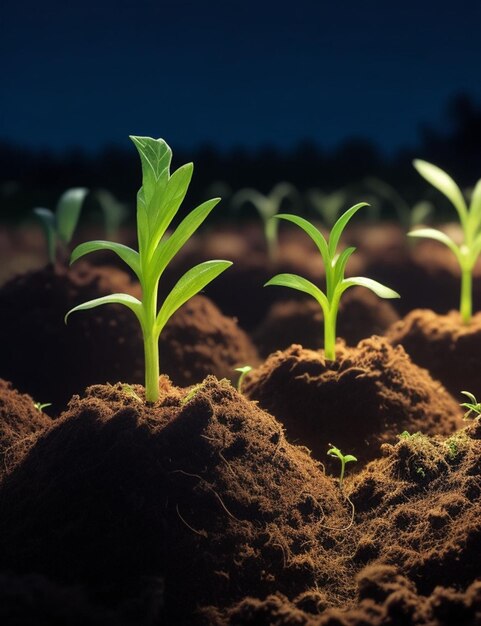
(158, 201)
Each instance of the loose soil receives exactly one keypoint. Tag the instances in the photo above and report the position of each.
(370, 394)
(445, 346)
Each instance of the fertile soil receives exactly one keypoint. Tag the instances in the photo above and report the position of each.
(370, 394)
(361, 315)
(444, 345)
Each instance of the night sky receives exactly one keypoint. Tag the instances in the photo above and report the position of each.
(233, 73)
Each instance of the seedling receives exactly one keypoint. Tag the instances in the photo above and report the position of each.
(60, 226)
(40, 406)
(114, 212)
(467, 253)
(158, 201)
(328, 205)
(473, 405)
(267, 207)
(243, 373)
(335, 265)
(348, 458)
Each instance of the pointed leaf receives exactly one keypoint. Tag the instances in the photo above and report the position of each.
(437, 235)
(340, 264)
(475, 207)
(340, 225)
(261, 203)
(301, 284)
(115, 298)
(128, 256)
(49, 225)
(189, 285)
(155, 155)
(349, 458)
(443, 183)
(68, 212)
(316, 236)
(380, 290)
(421, 211)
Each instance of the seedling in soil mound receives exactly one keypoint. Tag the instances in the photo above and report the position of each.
(473, 406)
(158, 201)
(60, 226)
(243, 373)
(348, 458)
(467, 253)
(267, 207)
(335, 266)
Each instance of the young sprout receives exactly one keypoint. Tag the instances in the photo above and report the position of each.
(335, 265)
(40, 406)
(243, 373)
(59, 227)
(468, 252)
(114, 212)
(158, 201)
(348, 458)
(328, 205)
(267, 207)
(473, 406)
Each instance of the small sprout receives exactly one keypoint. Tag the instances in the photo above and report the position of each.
(158, 202)
(420, 471)
(130, 391)
(407, 435)
(470, 249)
(60, 226)
(348, 458)
(335, 265)
(328, 205)
(243, 373)
(473, 406)
(40, 406)
(192, 393)
(267, 207)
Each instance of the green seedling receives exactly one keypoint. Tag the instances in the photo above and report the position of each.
(114, 212)
(158, 201)
(267, 207)
(243, 373)
(473, 406)
(467, 253)
(40, 406)
(348, 458)
(60, 226)
(335, 265)
(328, 205)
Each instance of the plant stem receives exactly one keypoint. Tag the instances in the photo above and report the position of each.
(466, 304)
(341, 477)
(330, 335)
(271, 228)
(151, 348)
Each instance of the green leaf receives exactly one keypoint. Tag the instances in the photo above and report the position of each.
(128, 256)
(340, 225)
(340, 264)
(335, 452)
(470, 396)
(421, 211)
(189, 285)
(316, 236)
(349, 458)
(114, 212)
(293, 281)
(68, 212)
(49, 225)
(167, 249)
(261, 203)
(443, 183)
(475, 208)
(155, 156)
(115, 298)
(380, 290)
(437, 235)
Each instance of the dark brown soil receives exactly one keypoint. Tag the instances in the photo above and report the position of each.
(20, 421)
(200, 492)
(370, 394)
(361, 315)
(199, 341)
(449, 349)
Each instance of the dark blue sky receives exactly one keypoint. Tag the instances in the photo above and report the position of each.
(233, 73)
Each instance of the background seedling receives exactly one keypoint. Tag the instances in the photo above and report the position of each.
(114, 212)
(243, 373)
(335, 265)
(40, 406)
(348, 458)
(328, 205)
(158, 201)
(473, 405)
(469, 250)
(60, 226)
(267, 207)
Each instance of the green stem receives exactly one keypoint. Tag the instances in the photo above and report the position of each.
(341, 477)
(330, 334)
(151, 348)
(271, 228)
(466, 304)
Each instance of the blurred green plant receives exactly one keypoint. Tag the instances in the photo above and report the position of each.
(468, 252)
(158, 201)
(473, 405)
(243, 373)
(113, 211)
(335, 266)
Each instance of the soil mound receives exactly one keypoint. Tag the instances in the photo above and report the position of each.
(449, 349)
(361, 315)
(200, 492)
(19, 422)
(366, 397)
(198, 340)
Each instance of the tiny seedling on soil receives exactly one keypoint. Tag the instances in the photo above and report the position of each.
(60, 226)
(243, 373)
(267, 207)
(473, 405)
(468, 252)
(335, 265)
(348, 458)
(40, 406)
(158, 201)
